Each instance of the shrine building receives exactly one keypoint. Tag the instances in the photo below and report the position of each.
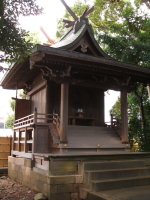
(64, 116)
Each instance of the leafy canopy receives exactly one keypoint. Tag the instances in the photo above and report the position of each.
(12, 38)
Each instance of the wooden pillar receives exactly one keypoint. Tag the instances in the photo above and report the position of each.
(34, 140)
(124, 115)
(19, 138)
(64, 111)
(49, 97)
(25, 140)
(101, 108)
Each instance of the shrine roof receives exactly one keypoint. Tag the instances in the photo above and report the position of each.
(81, 34)
(57, 59)
(69, 38)
(78, 56)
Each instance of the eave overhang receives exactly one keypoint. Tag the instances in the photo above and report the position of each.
(20, 73)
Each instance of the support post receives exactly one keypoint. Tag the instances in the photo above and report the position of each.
(35, 116)
(25, 140)
(101, 108)
(124, 115)
(64, 111)
(19, 138)
(111, 118)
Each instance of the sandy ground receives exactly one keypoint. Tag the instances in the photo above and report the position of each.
(10, 189)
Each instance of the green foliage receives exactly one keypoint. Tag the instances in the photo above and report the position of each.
(129, 39)
(139, 128)
(138, 3)
(12, 38)
(10, 121)
(33, 37)
(116, 109)
(12, 105)
(22, 95)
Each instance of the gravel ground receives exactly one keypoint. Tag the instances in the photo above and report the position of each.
(10, 189)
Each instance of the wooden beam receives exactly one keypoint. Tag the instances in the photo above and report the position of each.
(69, 10)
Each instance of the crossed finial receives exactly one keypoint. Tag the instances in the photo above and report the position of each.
(71, 23)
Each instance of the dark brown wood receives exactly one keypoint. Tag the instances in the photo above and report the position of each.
(64, 111)
(69, 10)
(86, 13)
(84, 120)
(124, 115)
(41, 139)
(38, 100)
(19, 104)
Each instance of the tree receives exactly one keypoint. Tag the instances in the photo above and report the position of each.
(10, 118)
(139, 121)
(141, 2)
(12, 38)
(116, 109)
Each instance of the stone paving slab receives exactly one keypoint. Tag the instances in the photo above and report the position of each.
(132, 193)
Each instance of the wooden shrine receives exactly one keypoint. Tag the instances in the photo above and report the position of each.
(66, 83)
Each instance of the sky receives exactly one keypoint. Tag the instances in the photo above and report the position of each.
(53, 9)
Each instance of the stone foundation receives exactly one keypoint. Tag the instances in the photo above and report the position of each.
(59, 177)
(54, 187)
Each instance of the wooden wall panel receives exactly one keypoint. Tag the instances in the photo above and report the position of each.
(38, 100)
(53, 98)
(37, 81)
(22, 108)
(56, 104)
(42, 139)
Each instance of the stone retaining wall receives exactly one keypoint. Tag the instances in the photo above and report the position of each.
(54, 187)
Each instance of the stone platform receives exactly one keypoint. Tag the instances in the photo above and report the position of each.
(62, 176)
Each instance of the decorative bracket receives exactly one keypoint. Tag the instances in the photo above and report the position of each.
(84, 47)
(123, 83)
(28, 87)
(36, 58)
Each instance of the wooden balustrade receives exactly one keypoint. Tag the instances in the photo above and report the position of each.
(23, 139)
(116, 124)
(37, 119)
(56, 121)
(25, 121)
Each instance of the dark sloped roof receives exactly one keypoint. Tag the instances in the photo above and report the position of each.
(68, 52)
(81, 30)
(55, 58)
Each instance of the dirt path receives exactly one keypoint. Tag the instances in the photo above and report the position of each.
(10, 189)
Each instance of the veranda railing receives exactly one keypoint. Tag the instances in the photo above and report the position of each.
(116, 124)
(37, 119)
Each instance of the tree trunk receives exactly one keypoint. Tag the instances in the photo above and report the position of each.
(148, 89)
